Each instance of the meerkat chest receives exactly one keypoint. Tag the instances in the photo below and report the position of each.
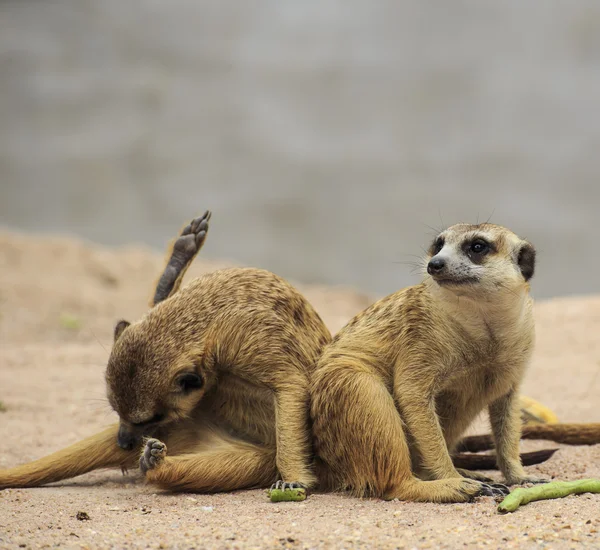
(246, 409)
(490, 370)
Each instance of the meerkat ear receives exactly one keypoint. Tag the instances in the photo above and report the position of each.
(119, 328)
(526, 260)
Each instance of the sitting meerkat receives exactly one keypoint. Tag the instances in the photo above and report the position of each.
(218, 371)
(400, 383)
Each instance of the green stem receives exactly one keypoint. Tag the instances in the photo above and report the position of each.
(556, 489)
(287, 495)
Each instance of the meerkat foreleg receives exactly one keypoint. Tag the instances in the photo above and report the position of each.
(182, 251)
(421, 419)
(226, 466)
(373, 456)
(293, 434)
(505, 420)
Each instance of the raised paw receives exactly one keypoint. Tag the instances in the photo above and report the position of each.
(153, 454)
(192, 236)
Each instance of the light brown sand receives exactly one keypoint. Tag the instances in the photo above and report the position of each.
(59, 299)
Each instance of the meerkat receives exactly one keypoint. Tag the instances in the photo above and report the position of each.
(186, 375)
(396, 389)
(218, 371)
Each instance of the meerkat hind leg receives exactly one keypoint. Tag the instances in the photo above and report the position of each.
(373, 458)
(225, 466)
(184, 250)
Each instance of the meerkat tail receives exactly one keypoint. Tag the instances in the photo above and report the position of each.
(98, 451)
(533, 412)
(568, 434)
(472, 461)
(180, 253)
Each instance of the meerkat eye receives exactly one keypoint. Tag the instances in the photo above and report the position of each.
(189, 382)
(156, 419)
(479, 247)
(438, 245)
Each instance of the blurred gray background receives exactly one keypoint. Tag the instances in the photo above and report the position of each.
(325, 135)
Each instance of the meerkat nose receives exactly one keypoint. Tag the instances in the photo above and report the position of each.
(126, 439)
(436, 265)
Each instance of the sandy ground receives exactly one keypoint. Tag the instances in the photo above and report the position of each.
(59, 299)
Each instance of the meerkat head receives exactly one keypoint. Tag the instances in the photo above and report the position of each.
(151, 381)
(480, 258)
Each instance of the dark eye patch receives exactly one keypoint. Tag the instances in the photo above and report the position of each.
(477, 248)
(156, 419)
(437, 245)
(189, 382)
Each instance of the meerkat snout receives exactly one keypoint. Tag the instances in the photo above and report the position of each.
(436, 265)
(131, 434)
(126, 439)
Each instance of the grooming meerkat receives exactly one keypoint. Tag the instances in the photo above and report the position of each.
(400, 383)
(218, 371)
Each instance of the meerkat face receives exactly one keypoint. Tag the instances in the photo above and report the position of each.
(474, 258)
(150, 384)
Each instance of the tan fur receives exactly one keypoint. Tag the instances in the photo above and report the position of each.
(252, 340)
(396, 389)
(423, 354)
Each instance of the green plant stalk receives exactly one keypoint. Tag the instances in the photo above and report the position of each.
(288, 495)
(547, 491)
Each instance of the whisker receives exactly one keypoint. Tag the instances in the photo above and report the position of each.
(435, 230)
(408, 262)
(441, 220)
(488, 220)
(98, 340)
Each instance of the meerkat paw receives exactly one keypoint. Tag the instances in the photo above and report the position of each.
(287, 485)
(455, 489)
(192, 236)
(471, 489)
(523, 480)
(474, 475)
(153, 454)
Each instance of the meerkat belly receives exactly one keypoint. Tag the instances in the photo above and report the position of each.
(244, 409)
